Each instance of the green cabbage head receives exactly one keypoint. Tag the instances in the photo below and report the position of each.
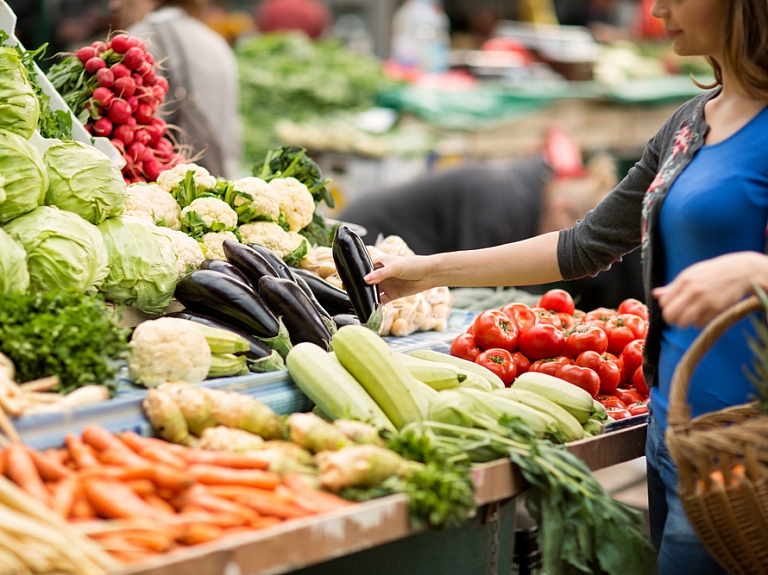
(14, 275)
(142, 264)
(19, 108)
(63, 250)
(25, 179)
(85, 181)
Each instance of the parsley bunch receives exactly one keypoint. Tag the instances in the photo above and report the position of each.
(64, 333)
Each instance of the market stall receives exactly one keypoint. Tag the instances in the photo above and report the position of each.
(194, 374)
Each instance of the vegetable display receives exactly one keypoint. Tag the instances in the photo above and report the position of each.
(600, 351)
(26, 181)
(114, 88)
(14, 275)
(19, 108)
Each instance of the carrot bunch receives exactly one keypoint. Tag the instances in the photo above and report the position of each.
(139, 496)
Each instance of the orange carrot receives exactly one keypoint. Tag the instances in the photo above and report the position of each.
(237, 529)
(201, 498)
(22, 471)
(81, 454)
(63, 495)
(60, 455)
(2, 462)
(312, 499)
(147, 540)
(133, 440)
(114, 500)
(142, 486)
(119, 547)
(101, 439)
(158, 503)
(265, 521)
(270, 505)
(232, 492)
(201, 533)
(249, 460)
(50, 469)
(160, 455)
(170, 477)
(112, 456)
(213, 475)
(82, 509)
(190, 515)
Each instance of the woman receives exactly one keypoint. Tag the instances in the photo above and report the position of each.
(697, 201)
(201, 70)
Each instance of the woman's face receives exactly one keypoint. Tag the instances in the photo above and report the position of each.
(124, 13)
(695, 26)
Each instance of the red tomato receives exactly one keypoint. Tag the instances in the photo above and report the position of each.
(464, 346)
(629, 396)
(471, 330)
(566, 319)
(638, 409)
(638, 382)
(500, 362)
(582, 377)
(541, 341)
(524, 316)
(632, 357)
(610, 401)
(578, 314)
(617, 360)
(599, 317)
(585, 338)
(557, 300)
(549, 366)
(522, 363)
(623, 329)
(617, 413)
(494, 329)
(608, 371)
(549, 317)
(635, 307)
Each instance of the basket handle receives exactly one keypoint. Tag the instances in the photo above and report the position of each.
(679, 410)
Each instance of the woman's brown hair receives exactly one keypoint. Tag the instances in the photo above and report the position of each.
(746, 46)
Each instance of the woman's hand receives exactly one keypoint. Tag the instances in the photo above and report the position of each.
(399, 276)
(702, 291)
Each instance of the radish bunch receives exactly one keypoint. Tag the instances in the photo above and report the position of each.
(115, 90)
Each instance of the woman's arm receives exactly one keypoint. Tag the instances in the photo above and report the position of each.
(702, 291)
(527, 262)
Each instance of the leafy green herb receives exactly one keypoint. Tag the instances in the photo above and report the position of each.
(582, 530)
(64, 333)
(51, 123)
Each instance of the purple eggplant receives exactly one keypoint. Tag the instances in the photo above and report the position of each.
(353, 263)
(226, 268)
(249, 261)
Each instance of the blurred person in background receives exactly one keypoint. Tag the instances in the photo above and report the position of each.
(201, 71)
(310, 16)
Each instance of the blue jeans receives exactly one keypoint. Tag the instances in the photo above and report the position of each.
(680, 551)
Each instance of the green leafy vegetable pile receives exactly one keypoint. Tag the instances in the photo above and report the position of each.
(64, 333)
(287, 75)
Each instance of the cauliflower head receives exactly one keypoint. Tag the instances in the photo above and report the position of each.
(152, 203)
(168, 349)
(263, 205)
(212, 244)
(205, 215)
(290, 246)
(170, 180)
(296, 203)
(189, 254)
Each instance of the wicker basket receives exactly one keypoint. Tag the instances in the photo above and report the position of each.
(730, 511)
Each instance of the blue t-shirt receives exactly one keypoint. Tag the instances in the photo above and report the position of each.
(718, 205)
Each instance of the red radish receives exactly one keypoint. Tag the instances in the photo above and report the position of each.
(152, 169)
(133, 58)
(156, 128)
(137, 78)
(119, 111)
(162, 82)
(149, 58)
(131, 121)
(99, 46)
(124, 87)
(136, 151)
(144, 93)
(120, 70)
(88, 129)
(103, 96)
(134, 42)
(94, 64)
(144, 67)
(85, 53)
(150, 77)
(133, 102)
(102, 127)
(105, 77)
(139, 180)
(143, 113)
(138, 168)
(123, 133)
(119, 43)
(141, 135)
(147, 156)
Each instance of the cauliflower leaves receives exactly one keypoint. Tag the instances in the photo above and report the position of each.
(205, 215)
